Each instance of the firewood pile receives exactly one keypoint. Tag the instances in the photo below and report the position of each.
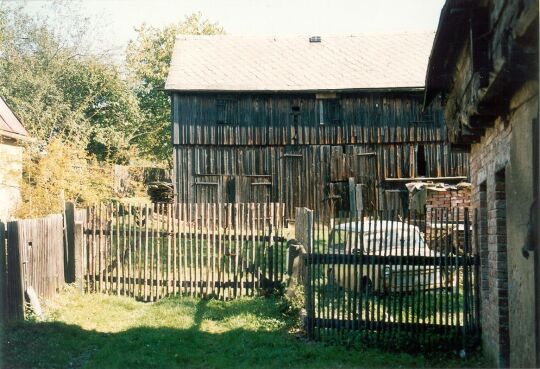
(161, 192)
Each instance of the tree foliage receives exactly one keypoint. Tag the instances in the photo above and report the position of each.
(62, 90)
(147, 61)
(62, 170)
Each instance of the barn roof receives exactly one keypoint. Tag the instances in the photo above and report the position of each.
(256, 63)
(10, 125)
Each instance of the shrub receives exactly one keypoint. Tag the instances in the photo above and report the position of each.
(61, 171)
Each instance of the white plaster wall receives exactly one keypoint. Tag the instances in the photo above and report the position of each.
(10, 177)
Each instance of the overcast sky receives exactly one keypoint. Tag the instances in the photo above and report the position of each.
(253, 17)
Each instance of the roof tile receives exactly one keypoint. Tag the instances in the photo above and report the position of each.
(9, 123)
(256, 63)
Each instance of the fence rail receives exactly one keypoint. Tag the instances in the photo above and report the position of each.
(222, 250)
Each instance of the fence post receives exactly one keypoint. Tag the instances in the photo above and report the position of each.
(78, 254)
(14, 277)
(303, 232)
(3, 271)
(69, 242)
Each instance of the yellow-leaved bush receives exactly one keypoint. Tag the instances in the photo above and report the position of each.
(60, 172)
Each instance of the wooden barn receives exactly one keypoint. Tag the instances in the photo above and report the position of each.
(305, 120)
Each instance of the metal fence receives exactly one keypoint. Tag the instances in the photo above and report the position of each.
(399, 279)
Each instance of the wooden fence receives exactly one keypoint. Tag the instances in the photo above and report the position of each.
(33, 256)
(222, 250)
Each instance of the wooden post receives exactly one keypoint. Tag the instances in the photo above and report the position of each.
(303, 232)
(352, 197)
(3, 271)
(69, 239)
(78, 254)
(303, 229)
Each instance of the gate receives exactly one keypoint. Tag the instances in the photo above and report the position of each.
(398, 280)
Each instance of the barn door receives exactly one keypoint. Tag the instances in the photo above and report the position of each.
(260, 188)
(292, 181)
(340, 171)
(397, 200)
(208, 189)
(366, 176)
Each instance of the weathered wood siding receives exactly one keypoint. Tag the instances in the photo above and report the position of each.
(277, 149)
(270, 120)
(34, 257)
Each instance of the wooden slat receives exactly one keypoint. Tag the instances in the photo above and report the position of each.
(221, 250)
(168, 272)
(146, 240)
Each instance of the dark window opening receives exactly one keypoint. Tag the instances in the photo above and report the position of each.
(329, 111)
(295, 113)
(421, 163)
(227, 111)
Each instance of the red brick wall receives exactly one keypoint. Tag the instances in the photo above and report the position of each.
(488, 162)
(444, 207)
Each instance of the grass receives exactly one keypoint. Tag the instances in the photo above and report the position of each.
(101, 331)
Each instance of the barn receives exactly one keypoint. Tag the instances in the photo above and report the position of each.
(12, 137)
(306, 120)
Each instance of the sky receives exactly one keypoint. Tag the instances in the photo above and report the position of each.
(119, 18)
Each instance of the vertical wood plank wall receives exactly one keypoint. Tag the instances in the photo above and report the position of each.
(35, 257)
(271, 154)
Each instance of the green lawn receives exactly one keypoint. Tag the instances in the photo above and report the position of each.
(99, 331)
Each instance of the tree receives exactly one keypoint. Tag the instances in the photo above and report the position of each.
(147, 62)
(63, 90)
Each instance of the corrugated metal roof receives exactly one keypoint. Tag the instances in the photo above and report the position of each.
(10, 125)
(255, 63)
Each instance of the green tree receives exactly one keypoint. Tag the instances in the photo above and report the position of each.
(61, 89)
(147, 60)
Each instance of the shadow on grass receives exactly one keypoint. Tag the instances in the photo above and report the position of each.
(60, 345)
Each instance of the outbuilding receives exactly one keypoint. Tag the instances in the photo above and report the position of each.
(12, 137)
(306, 120)
(484, 64)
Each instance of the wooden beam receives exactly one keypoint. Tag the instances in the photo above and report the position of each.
(412, 179)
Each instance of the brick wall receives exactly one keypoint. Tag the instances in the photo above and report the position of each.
(488, 176)
(501, 177)
(447, 207)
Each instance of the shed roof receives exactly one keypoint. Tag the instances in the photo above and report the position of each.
(10, 125)
(263, 63)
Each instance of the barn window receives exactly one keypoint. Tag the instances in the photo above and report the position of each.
(295, 113)
(227, 111)
(329, 111)
(421, 163)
